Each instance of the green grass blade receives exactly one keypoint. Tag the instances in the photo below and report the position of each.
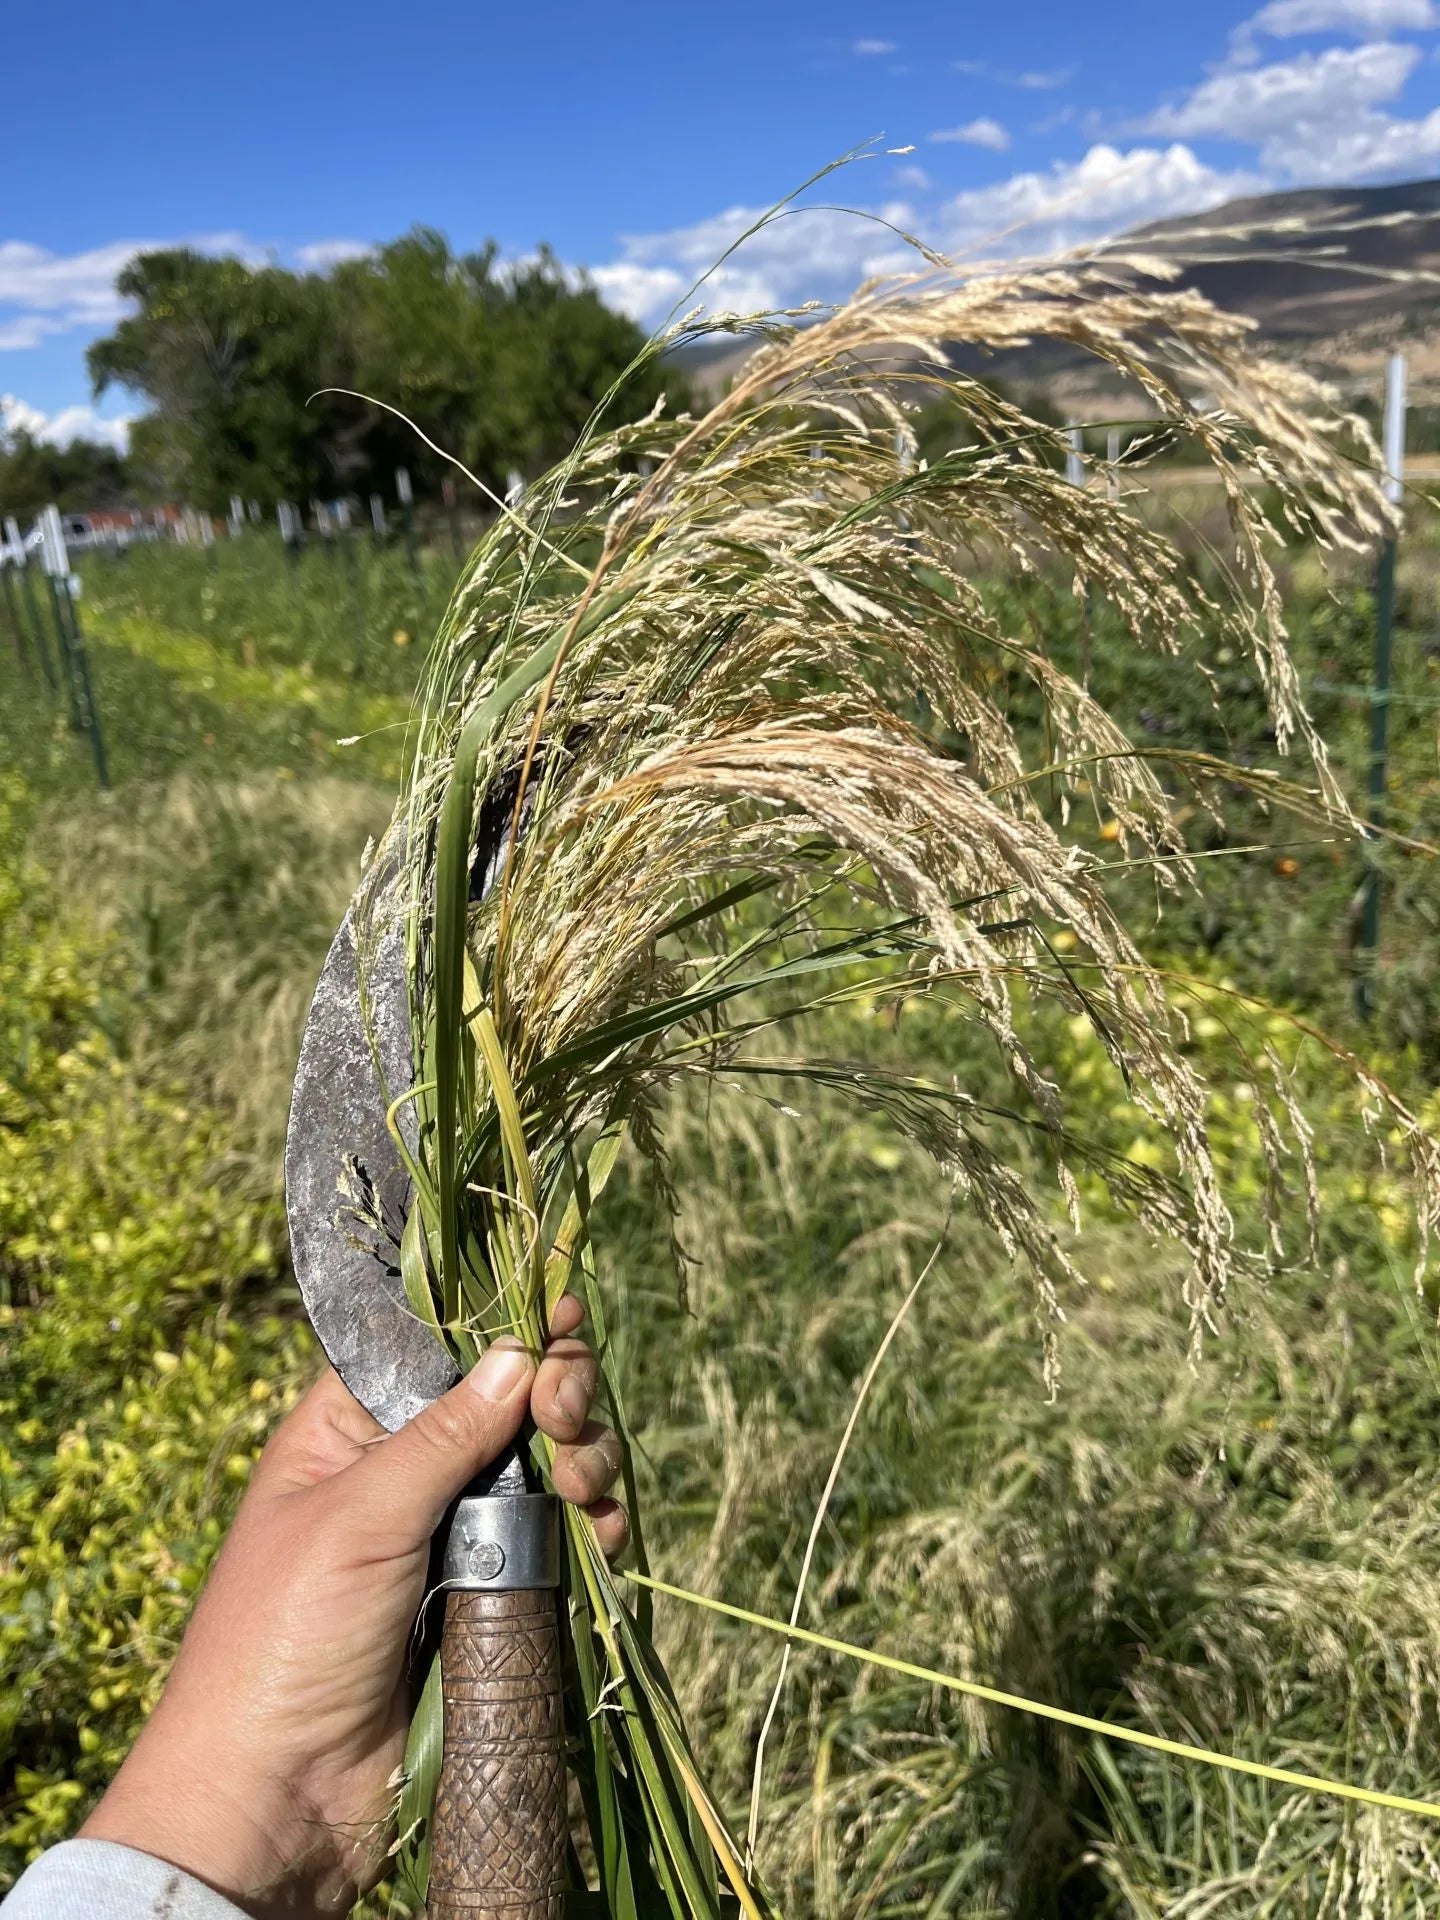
(417, 1795)
(449, 1040)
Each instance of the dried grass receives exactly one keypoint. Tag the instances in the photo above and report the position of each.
(720, 730)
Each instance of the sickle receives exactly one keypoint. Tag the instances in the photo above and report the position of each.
(500, 1828)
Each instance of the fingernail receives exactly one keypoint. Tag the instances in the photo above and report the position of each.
(572, 1399)
(500, 1370)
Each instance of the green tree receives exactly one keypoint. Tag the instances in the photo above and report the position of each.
(499, 364)
(228, 356)
(77, 477)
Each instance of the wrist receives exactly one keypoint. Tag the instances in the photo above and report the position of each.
(212, 1818)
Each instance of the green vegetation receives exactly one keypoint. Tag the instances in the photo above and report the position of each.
(502, 363)
(76, 478)
(1242, 1553)
(147, 1339)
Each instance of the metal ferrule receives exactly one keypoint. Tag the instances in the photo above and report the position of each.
(503, 1543)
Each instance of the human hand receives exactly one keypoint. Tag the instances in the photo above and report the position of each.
(268, 1768)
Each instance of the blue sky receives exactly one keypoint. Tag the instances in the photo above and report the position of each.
(635, 140)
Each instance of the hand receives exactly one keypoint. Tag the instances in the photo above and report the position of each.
(269, 1767)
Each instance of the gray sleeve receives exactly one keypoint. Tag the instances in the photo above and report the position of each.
(96, 1880)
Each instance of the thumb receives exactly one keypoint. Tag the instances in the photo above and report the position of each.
(405, 1483)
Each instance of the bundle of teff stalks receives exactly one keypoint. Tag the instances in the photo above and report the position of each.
(718, 732)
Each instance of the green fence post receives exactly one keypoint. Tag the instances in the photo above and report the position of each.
(88, 712)
(12, 617)
(62, 648)
(32, 614)
(37, 628)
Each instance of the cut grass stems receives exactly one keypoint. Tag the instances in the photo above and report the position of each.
(719, 731)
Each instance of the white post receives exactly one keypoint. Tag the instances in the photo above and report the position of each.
(1394, 441)
(1074, 465)
(402, 486)
(54, 557)
(237, 516)
(377, 514)
(904, 463)
(1112, 459)
(1379, 782)
(514, 488)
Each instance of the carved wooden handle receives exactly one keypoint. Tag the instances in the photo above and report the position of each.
(500, 1819)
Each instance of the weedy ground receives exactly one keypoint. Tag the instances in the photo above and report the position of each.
(1241, 1553)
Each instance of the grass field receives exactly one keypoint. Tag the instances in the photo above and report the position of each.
(1242, 1552)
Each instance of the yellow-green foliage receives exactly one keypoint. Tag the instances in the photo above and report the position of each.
(141, 1364)
(1242, 1552)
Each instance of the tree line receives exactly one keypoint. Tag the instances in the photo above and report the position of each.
(80, 477)
(499, 363)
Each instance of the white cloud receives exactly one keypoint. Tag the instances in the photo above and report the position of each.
(50, 293)
(977, 133)
(825, 254)
(913, 177)
(318, 255)
(816, 255)
(1259, 104)
(43, 294)
(1365, 19)
(80, 286)
(644, 292)
(1317, 118)
(84, 282)
(59, 429)
(1036, 79)
(1370, 147)
(28, 330)
(1104, 192)
(874, 47)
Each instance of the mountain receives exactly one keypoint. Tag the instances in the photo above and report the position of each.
(1317, 264)
(1336, 277)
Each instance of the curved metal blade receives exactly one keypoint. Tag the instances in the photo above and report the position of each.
(346, 1189)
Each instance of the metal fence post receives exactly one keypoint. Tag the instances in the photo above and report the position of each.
(84, 713)
(1394, 448)
(1074, 453)
(12, 617)
(37, 626)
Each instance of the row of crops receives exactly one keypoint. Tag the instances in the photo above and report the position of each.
(1237, 1549)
